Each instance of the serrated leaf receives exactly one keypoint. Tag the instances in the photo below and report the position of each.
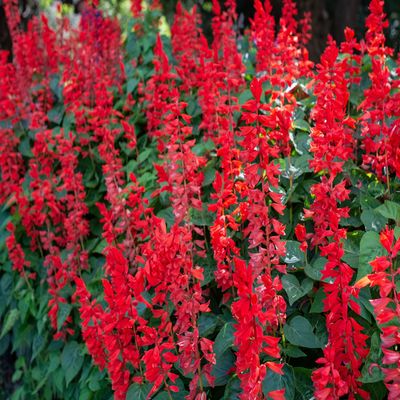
(294, 352)
(299, 331)
(224, 364)
(371, 372)
(274, 381)
(293, 253)
(25, 148)
(352, 249)
(168, 215)
(294, 289)
(132, 84)
(138, 392)
(9, 321)
(71, 360)
(318, 303)
(144, 155)
(370, 248)
(207, 324)
(301, 125)
(202, 217)
(232, 390)
(303, 383)
(224, 339)
(390, 210)
(373, 220)
(314, 269)
(64, 310)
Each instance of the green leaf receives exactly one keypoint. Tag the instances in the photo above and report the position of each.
(144, 155)
(25, 148)
(132, 84)
(368, 202)
(352, 249)
(371, 371)
(168, 215)
(390, 210)
(301, 142)
(274, 381)
(373, 220)
(314, 269)
(370, 248)
(138, 392)
(9, 321)
(209, 174)
(294, 289)
(203, 147)
(377, 390)
(202, 217)
(207, 324)
(232, 390)
(301, 125)
(64, 310)
(71, 360)
(303, 383)
(38, 344)
(318, 303)
(100, 246)
(56, 114)
(293, 253)
(245, 96)
(146, 179)
(299, 331)
(224, 339)
(224, 364)
(294, 352)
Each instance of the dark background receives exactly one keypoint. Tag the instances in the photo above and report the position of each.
(328, 17)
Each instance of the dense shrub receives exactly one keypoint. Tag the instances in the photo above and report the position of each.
(182, 219)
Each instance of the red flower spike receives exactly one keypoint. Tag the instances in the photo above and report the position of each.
(387, 311)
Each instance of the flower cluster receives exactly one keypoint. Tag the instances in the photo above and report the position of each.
(332, 145)
(384, 275)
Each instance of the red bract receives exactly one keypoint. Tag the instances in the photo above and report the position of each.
(378, 106)
(387, 309)
(263, 34)
(188, 46)
(181, 175)
(332, 145)
(259, 310)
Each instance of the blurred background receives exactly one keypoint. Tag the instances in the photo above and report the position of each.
(328, 17)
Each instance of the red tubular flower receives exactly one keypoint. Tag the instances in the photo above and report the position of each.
(181, 279)
(378, 106)
(224, 43)
(218, 101)
(331, 144)
(136, 8)
(188, 46)
(387, 309)
(259, 310)
(15, 252)
(263, 34)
